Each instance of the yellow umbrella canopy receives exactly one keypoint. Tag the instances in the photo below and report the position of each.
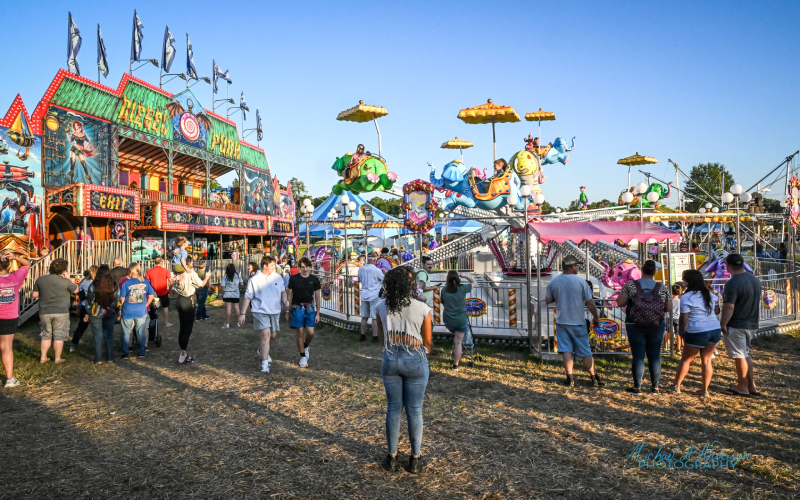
(456, 144)
(459, 144)
(489, 113)
(363, 113)
(540, 116)
(636, 159)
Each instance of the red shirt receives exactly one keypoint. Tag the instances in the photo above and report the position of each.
(158, 277)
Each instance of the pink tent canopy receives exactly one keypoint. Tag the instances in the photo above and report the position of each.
(561, 232)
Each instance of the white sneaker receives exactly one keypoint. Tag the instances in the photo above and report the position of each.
(307, 353)
(226, 325)
(269, 358)
(167, 324)
(12, 382)
(265, 367)
(303, 362)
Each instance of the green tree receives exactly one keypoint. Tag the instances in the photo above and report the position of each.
(215, 184)
(298, 190)
(711, 177)
(235, 183)
(577, 205)
(391, 206)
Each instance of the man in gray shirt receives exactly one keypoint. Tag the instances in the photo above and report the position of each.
(741, 300)
(54, 291)
(570, 293)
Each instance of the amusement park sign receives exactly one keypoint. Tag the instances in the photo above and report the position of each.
(183, 218)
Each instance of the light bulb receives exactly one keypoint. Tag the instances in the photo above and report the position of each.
(512, 200)
(727, 197)
(736, 189)
(746, 197)
(345, 199)
(652, 197)
(538, 198)
(558, 210)
(307, 202)
(702, 210)
(627, 197)
(783, 204)
(352, 206)
(715, 210)
(641, 187)
(525, 191)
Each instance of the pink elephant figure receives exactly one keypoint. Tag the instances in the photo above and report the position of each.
(719, 274)
(616, 277)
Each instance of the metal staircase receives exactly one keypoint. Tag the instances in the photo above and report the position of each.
(462, 245)
(570, 248)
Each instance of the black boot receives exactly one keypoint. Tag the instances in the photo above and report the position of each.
(86, 172)
(71, 176)
(596, 382)
(415, 465)
(390, 463)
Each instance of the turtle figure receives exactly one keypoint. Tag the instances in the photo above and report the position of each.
(362, 172)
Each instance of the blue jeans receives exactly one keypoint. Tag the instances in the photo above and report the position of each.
(405, 377)
(103, 328)
(201, 295)
(646, 341)
(138, 325)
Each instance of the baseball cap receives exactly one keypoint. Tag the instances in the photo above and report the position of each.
(735, 260)
(569, 260)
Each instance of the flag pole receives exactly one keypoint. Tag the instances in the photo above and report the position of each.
(227, 96)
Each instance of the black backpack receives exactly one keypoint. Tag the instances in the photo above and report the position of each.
(647, 308)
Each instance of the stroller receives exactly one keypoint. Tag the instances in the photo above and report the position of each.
(153, 334)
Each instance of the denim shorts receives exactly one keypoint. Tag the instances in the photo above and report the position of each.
(303, 316)
(702, 339)
(573, 338)
(463, 328)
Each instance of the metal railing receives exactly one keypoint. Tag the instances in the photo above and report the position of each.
(151, 195)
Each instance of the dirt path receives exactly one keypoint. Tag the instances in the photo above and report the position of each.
(505, 429)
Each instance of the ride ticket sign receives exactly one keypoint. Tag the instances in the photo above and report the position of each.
(104, 201)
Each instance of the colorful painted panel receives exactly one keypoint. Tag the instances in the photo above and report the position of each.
(258, 191)
(144, 109)
(76, 150)
(183, 218)
(21, 215)
(118, 203)
(418, 206)
(190, 123)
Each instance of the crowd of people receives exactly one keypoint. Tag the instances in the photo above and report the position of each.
(694, 308)
(396, 302)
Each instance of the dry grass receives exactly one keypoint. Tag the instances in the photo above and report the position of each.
(505, 429)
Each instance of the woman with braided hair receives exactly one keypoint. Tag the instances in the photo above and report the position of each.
(404, 370)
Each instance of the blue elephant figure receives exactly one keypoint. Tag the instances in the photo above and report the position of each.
(558, 152)
(460, 182)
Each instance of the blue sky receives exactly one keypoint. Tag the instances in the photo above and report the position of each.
(690, 81)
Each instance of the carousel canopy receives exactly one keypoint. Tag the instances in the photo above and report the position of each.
(561, 232)
(321, 226)
(362, 113)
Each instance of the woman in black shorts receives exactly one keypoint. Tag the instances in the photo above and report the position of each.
(230, 292)
(10, 283)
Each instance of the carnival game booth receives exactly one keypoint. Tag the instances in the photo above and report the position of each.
(134, 164)
(575, 238)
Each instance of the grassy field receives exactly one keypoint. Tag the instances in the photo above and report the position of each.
(504, 429)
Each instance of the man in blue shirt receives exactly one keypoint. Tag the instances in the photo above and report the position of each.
(137, 293)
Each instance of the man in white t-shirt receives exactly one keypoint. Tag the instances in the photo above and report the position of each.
(371, 278)
(266, 292)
